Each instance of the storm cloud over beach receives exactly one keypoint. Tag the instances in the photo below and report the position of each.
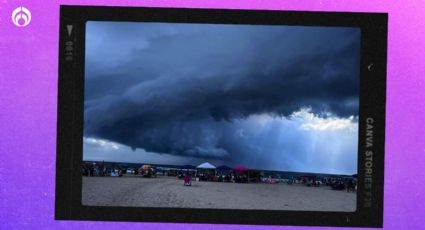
(268, 97)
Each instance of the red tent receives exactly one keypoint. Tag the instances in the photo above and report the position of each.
(240, 168)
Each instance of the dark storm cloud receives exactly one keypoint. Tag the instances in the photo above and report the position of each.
(177, 88)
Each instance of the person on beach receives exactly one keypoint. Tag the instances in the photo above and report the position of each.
(187, 180)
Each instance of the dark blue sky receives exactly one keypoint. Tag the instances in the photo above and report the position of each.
(268, 97)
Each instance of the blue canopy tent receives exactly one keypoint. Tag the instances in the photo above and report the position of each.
(224, 168)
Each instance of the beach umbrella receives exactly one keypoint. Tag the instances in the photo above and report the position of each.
(206, 165)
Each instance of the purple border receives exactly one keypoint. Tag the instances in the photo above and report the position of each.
(28, 92)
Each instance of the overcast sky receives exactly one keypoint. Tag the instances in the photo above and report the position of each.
(267, 97)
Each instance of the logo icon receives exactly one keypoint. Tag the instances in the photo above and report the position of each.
(21, 16)
(69, 29)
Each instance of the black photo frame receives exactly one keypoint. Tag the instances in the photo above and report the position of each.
(371, 143)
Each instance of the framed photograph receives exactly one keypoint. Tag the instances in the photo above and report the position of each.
(221, 116)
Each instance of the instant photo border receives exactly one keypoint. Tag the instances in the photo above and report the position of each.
(369, 212)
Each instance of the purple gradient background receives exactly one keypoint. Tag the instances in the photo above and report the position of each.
(28, 96)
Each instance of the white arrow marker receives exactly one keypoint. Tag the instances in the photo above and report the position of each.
(69, 28)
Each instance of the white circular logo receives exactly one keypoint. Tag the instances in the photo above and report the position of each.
(21, 16)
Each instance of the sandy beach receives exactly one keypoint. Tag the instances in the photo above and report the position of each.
(170, 192)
